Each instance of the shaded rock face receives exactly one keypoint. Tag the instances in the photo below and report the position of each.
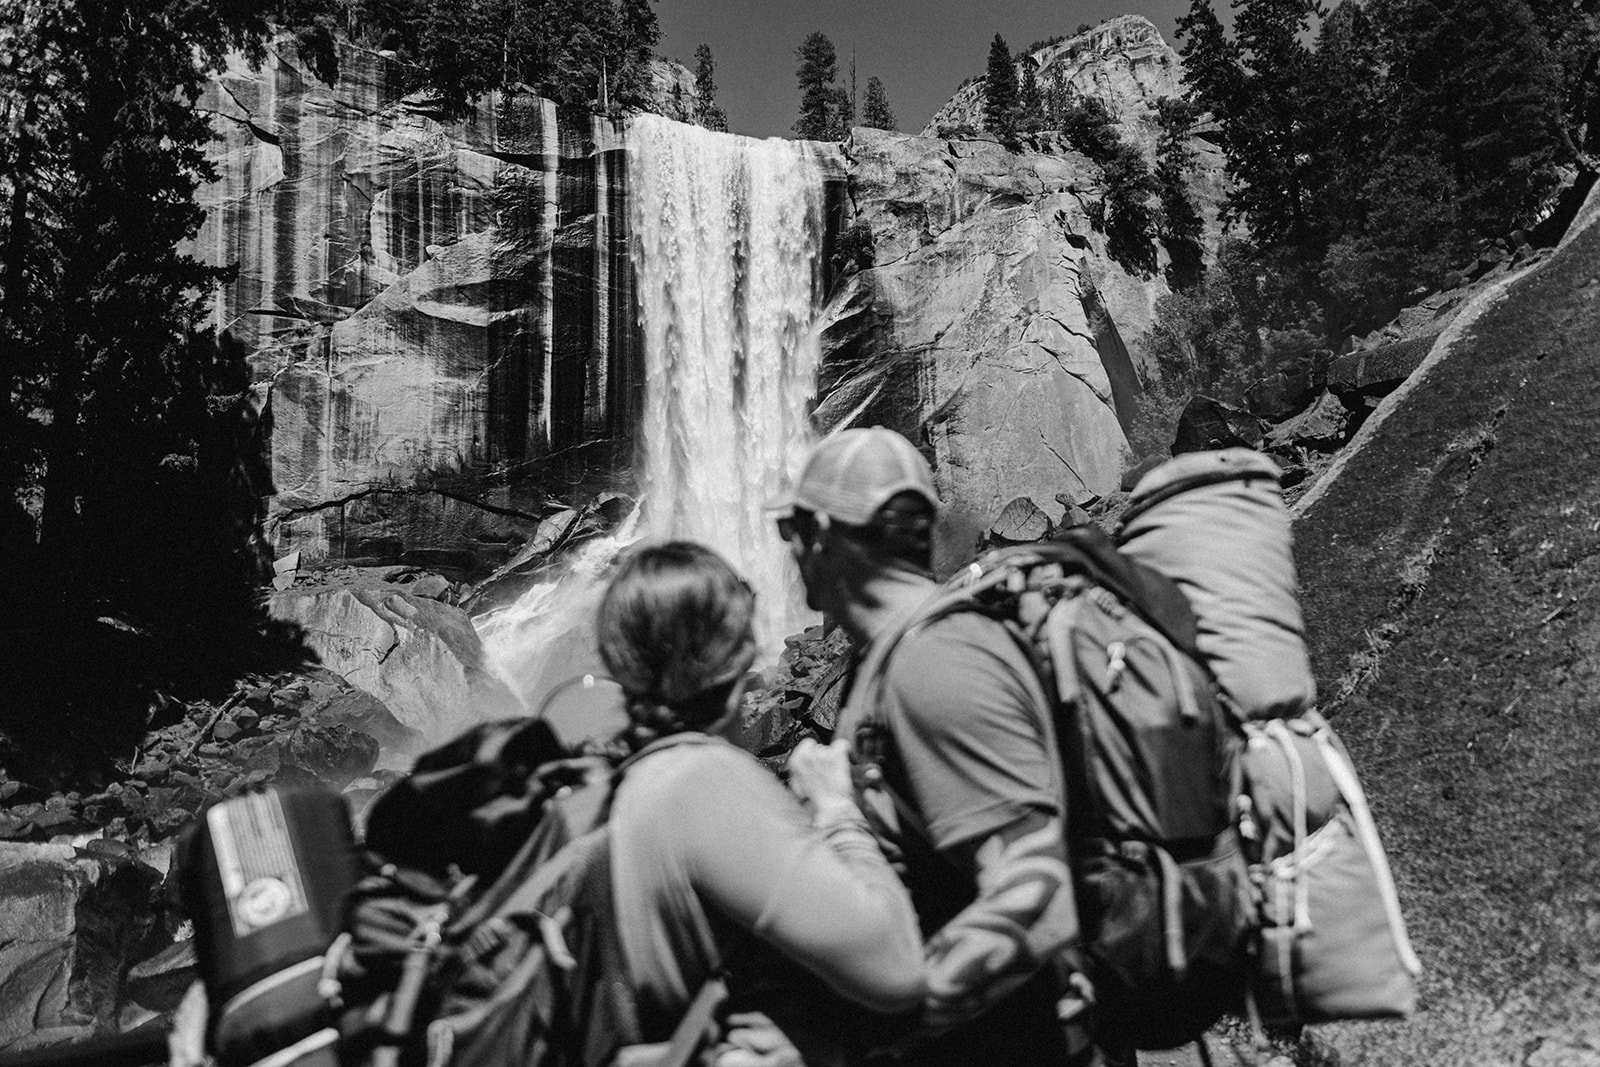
(1123, 62)
(417, 655)
(73, 922)
(439, 309)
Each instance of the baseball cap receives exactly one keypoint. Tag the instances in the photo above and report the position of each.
(853, 473)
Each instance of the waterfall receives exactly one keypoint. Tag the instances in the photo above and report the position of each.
(727, 234)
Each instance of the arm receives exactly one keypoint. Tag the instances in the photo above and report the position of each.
(1023, 918)
(981, 768)
(821, 893)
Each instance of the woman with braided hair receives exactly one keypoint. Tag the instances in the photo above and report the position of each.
(709, 851)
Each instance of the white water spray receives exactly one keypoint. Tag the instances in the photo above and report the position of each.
(727, 233)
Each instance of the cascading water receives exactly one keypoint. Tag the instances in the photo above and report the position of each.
(727, 234)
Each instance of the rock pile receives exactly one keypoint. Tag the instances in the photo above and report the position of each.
(86, 879)
(287, 729)
(801, 698)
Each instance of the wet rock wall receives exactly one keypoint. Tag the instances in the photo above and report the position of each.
(438, 308)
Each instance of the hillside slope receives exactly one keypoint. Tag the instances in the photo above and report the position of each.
(1452, 587)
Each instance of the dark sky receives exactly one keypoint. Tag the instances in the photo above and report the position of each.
(922, 49)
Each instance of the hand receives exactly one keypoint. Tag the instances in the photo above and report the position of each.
(820, 774)
(753, 1040)
(186, 1042)
(1078, 998)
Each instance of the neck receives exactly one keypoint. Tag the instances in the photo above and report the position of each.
(883, 601)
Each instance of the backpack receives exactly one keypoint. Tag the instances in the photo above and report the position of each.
(480, 930)
(1150, 769)
(1330, 941)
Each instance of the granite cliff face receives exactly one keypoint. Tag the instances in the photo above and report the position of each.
(1123, 62)
(990, 322)
(438, 308)
(443, 321)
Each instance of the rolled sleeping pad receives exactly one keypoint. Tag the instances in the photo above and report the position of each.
(1215, 523)
(264, 876)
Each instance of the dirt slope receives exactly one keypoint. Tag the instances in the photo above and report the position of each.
(1452, 585)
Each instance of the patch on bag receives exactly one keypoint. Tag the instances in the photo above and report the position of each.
(255, 859)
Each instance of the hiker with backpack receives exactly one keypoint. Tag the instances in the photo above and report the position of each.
(514, 903)
(964, 748)
(708, 849)
(1136, 712)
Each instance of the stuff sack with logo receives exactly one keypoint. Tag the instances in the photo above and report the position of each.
(1149, 763)
(1331, 942)
(264, 876)
(480, 931)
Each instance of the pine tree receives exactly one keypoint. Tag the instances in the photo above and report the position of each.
(1347, 121)
(705, 86)
(1089, 127)
(1181, 225)
(819, 65)
(1211, 70)
(1034, 116)
(1000, 92)
(1269, 149)
(1479, 75)
(131, 412)
(875, 112)
(841, 116)
(1129, 222)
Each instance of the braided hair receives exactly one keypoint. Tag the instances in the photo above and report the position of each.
(675, 629)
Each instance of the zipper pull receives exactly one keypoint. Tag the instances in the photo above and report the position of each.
(1116, 664)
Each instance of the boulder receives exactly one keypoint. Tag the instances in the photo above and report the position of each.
(1208, 423)
(421, 658)
(73, 922)
(1377, 371)
(1021, 522)
(1320, 427)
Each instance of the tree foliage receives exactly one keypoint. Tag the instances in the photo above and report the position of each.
(705, 87)
(819, 65)
(1373, 146)
(1181, 226)
(1000, 92)
(132, 476)
(581, 53)
(1030, 100)
(875, 110)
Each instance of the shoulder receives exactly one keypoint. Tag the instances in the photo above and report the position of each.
(956, 663)
(959, 649)
(703, 768)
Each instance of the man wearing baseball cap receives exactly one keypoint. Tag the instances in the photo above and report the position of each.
(960, 736)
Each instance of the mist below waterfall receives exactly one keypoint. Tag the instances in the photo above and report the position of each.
(726, 240)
